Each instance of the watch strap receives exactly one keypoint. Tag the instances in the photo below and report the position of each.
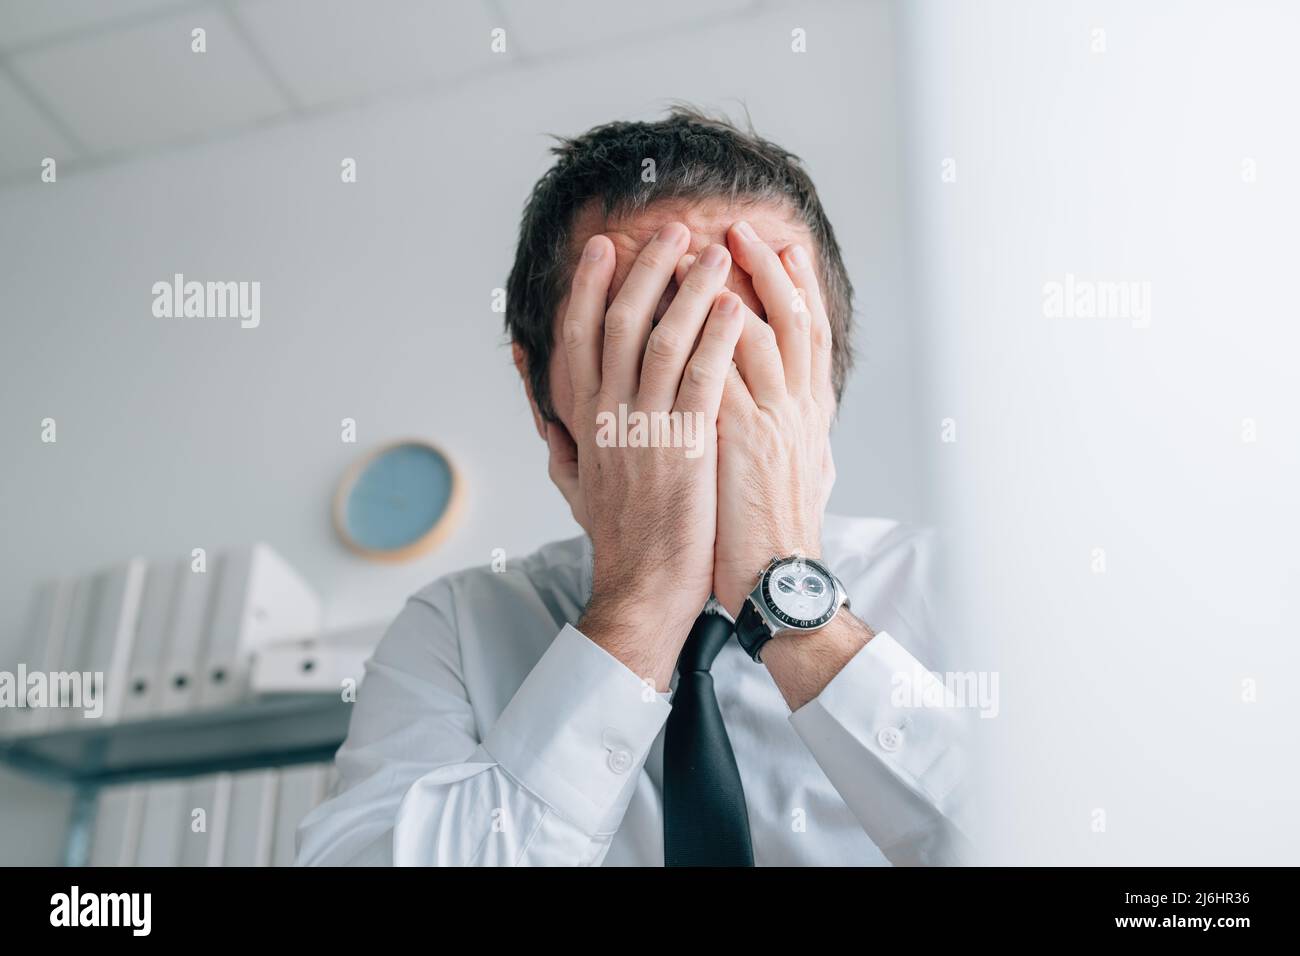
(752, 631)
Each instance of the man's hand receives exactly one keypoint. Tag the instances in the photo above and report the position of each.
(774, 460)
(775, 470)
(651, 512)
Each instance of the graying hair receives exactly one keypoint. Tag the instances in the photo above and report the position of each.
(697, 157)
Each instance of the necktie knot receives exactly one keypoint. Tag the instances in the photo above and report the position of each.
(709, 635)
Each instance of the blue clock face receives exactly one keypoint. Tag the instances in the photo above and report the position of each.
(398, 498)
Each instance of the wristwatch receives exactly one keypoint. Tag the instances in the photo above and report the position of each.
(793, 594)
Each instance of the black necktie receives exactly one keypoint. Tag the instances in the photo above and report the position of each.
(705, 821)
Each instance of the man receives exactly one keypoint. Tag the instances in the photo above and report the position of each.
(589, 706)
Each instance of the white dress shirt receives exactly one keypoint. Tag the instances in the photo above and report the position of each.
(489, 731)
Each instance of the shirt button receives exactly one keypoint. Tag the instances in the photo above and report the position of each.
(620, 761)
(890, 739)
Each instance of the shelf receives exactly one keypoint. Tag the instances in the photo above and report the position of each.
(268, 731)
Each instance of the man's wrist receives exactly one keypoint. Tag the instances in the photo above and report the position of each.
(637, 634)
(802, 663)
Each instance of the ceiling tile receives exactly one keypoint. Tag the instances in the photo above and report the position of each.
(27, 138)
(331, 51)
(23, 23)
(568, 25)
(141, 86)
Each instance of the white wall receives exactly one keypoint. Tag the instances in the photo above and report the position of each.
(1121, 691)
(176, 434)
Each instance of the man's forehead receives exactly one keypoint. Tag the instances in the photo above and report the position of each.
(708, 221)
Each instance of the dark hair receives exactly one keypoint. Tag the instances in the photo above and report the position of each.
(696, 157)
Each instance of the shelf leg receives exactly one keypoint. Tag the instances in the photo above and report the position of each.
(76, 848)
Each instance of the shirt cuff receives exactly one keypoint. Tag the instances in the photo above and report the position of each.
(884, 705)
(578, 729)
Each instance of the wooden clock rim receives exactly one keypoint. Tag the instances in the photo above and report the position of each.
(420, 546)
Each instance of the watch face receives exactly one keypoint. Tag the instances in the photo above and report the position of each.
(800, 593)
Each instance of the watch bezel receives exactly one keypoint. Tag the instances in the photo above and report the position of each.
(776, 615)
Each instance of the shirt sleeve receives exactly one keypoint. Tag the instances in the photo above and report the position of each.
(548, 784)
(889, 737)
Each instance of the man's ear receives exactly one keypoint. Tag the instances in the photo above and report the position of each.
(521, 366)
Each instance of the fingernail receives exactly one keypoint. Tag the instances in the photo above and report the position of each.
(671, 233)
(798, 257)
(594, 249)
(713, 257)
(746, 230)
(728, 304)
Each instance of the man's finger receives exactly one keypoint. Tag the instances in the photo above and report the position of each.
(585, 315)
(798, 263)
(760, 361)
(787, 312)
(706, 373)
(627, 320)
(683, 267)
(737, 403)
(673, 340)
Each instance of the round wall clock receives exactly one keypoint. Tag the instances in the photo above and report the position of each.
(397, 502)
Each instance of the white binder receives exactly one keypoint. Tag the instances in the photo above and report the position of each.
(204, 816)
(258, 598)
(40, 649)
(251, 822)
(163, 823)
(182, 658)
(315, 664)
(117, 825)
(153, 634)
(106, 653)
(97, 646)
(301, 789)
(64, 671)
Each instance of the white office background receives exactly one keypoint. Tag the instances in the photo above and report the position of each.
(376, 296)
(968, 154)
